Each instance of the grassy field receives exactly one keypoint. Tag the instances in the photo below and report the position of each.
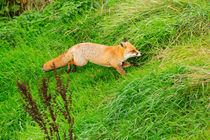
(167, 97)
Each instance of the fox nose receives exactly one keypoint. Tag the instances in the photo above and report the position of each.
(138, 54)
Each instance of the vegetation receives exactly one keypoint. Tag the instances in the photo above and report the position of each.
(15, 7)
(167, 97)
(46, 114)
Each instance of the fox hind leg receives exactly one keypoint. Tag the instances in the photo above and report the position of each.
(69, 68)
(74, 68)
(79, 60)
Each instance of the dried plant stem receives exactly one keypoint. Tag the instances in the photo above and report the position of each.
(45, 114)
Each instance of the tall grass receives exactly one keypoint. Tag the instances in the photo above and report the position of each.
(147, 102)
(165, 99)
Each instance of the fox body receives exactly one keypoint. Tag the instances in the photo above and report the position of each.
(109, 56)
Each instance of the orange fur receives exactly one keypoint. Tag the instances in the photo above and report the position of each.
(81, 54)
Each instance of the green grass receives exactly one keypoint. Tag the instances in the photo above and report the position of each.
(154, 102)
(165, 98)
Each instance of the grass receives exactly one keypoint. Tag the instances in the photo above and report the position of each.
(165, 98)
(155, 101)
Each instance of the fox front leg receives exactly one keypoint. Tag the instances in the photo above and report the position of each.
(120, 69)
(127, 64)
(118, 66)
(134, 64)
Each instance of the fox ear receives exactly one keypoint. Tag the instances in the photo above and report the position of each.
(125, 40)
(122, 45)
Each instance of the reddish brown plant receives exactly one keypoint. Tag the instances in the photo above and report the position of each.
(45, 112)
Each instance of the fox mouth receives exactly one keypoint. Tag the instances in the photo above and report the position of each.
(136, 55)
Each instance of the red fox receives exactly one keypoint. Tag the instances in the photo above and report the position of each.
(109, 56)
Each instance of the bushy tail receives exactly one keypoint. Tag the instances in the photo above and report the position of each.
(60, 61)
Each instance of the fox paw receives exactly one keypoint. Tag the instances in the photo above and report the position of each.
(74, 70)
(67, 71)
(136, 65)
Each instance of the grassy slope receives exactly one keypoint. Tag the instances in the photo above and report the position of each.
(165, 97)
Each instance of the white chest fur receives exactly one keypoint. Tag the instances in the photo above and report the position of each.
(126, 56)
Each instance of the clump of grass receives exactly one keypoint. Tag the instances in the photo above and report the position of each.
(153, 25)
(45, 115)
(193, 57)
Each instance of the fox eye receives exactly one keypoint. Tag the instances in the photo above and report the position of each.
(133, 51)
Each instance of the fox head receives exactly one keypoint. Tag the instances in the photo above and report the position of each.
(130, 50)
